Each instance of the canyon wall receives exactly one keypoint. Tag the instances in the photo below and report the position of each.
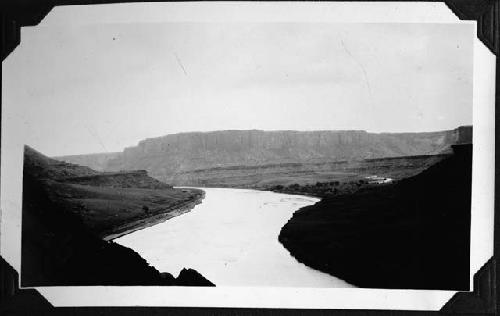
(168, 156)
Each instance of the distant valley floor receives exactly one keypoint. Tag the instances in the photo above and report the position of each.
(287, 176)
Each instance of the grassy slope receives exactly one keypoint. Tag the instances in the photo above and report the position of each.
(105, 201)
(413, 234)
(61, 224)
(104, 208)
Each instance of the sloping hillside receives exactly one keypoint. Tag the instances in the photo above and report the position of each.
(108, 202)
(413, 234)
(43, 167)
(63, 222)
(166, 157)
(122, 179)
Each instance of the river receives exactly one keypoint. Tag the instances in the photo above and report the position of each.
(231, 238)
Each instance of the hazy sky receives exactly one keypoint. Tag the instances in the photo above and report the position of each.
(102, 87)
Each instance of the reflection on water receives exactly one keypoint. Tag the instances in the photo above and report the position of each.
(231, 238)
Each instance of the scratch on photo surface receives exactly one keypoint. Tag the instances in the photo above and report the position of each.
(94, 134)
(180, 63)
(365, 74)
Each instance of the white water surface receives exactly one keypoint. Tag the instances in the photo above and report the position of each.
(231, 238)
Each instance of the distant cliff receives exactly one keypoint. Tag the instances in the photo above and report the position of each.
(168, 156)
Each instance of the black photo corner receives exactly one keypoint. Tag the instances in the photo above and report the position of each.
(482, 299)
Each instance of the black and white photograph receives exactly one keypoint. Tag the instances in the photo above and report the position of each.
(244, 154)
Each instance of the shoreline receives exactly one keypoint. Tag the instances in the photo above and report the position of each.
(153, 220)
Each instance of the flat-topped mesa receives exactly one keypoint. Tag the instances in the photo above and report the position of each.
(187, 151)
(166, 156)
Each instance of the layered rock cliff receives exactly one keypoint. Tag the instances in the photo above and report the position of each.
(167, 156)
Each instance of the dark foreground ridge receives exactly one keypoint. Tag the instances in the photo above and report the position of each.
(413, 234)
(63, 223)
